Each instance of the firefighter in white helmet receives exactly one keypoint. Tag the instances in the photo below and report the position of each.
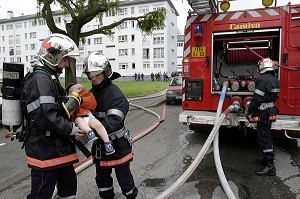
(262, 107)
(50, 151)
(112, 107)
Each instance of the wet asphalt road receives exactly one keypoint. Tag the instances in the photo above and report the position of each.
(164, 154)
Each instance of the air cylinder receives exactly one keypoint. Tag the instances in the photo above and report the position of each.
(13, 74)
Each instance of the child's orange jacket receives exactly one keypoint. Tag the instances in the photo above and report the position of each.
(88, 104)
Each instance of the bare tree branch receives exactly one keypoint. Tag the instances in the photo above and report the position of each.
(69, 8)
(107, 29)
(48, 16)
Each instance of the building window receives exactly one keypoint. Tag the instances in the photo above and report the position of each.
(3, 38)
(132, 38)
(89, 41)
(12, 59)
(123, 66)
(18, 50)
(81, 56)
(133, 66)
(11, 40)
(123, 25)
(146, 65)
(9, 27)
(158, 53)
(32, 46)
(158, 39)
(2, 27)
(3, 49)
(57, 20)
(110, 13)
(158, 65)
(143, 10)
(11, 51)
(19, 59)
(18, 25)
(42, 22)
(18, 40)
(32, 35)
(96, 27)
(122, 11)
(123, 52)
(25, 35)
(32, 23)
(122, 38)
(180, 44)
(98, 40)
(146, 53)
(157, 8)
(26, 46)
(133, 51)
(81, 45)
(132, 24)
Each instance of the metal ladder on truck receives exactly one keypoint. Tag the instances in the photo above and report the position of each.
(203, 6)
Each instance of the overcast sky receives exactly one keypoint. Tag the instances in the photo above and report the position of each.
(29, 7)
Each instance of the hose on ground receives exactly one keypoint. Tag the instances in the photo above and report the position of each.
(168, 192)
(217, 159)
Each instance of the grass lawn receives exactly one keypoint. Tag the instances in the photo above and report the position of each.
(136, 88)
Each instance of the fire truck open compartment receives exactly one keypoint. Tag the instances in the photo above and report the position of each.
(226, 47)
(233, 61)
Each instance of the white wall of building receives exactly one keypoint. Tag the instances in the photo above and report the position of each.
(21, 37)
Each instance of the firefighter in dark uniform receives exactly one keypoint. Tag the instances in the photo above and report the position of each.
(263, 111)
(49, 150)
(112, 107)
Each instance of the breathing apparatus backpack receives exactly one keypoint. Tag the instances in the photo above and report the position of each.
(12, 117)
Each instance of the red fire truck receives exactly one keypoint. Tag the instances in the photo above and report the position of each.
(226, 47)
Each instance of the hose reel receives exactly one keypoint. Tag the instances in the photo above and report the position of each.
(236, 53)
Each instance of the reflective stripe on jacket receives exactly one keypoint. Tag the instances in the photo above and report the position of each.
(48, 145)
(113, 163)
(111, 110)
(51, 162)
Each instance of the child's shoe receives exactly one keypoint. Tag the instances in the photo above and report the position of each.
(109, 149)
(90, 136)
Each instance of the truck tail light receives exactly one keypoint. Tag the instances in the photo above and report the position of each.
(186, 67)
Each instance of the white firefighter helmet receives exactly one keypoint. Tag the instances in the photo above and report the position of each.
(264, 65)
(55, 47)
(95, 64)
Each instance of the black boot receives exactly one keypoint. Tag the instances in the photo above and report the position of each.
(268, 170)
(263, 161)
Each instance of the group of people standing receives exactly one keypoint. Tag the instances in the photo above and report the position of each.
(139, 76)
(51, 135)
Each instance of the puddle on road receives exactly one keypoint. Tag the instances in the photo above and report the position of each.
(182, 163)
(157, 183)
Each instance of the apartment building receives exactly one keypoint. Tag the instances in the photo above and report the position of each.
(128, 49)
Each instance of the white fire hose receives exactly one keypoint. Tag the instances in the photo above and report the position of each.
(219, 119)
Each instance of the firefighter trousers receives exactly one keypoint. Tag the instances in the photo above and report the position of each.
(43, 183)
(265, 140)
(105, 181)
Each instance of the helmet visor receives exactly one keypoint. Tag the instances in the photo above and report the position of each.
(93, 73)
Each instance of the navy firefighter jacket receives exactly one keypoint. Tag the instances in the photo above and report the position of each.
(48, 145)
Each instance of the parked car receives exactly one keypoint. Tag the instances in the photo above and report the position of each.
(174, 92)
